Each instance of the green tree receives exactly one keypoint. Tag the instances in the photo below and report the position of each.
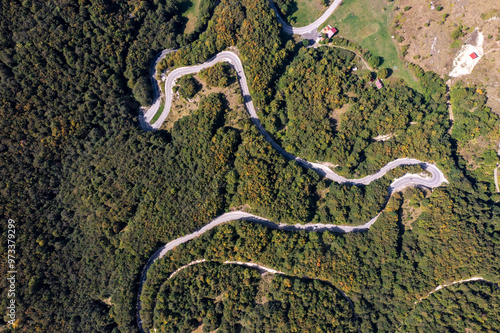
(188, 86)
(374, 61)
(383, 73)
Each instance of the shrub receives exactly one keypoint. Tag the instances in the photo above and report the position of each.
(407, 8)
(416, 69)
(188, 86)
(456, 44)
(404, 49)
(219, 75)
(141, 91)
(383, 73)
(366, 75)
(374, 61)
(457, 33)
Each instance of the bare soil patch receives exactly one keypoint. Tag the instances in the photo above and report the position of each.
(428, 32)
(264, 287)
(243, 208)
(199, 329)
(107, 301)
(181, 107)
(337, 113)
(383, 137)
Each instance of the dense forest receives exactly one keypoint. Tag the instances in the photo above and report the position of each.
(232, 298)
(471, 306)
(383, 271)
(476, 131)
(319, 83)
(93, 196)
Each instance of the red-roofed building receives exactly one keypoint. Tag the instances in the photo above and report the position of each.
(329, 31)
(379, 84)
(473, 55)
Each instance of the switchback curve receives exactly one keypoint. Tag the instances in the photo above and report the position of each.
(310, 30)
(234, 60)
(410, 179)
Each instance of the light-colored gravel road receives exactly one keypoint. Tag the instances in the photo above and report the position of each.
(474, 278)
(263, 269)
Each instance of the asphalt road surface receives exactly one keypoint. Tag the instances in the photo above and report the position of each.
(235, 61)
(309, 32)
(308, 29)
(408, 180)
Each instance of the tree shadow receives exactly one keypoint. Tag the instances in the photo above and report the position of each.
(290, 11)
(183, 7)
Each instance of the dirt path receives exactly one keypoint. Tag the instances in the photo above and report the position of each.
(266, 270)
(355, 52)
(449, 284)
(475, 278)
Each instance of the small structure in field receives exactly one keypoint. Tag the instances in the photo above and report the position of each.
(329, 31)
(378, 83)
(473, 55)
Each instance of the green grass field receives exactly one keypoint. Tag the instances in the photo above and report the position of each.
(158, 113)
(306, 12)
(190, 9)
(367, 22)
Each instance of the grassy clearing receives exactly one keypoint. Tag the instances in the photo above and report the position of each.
(190, 9)
(158, 113)
(367, 22)
(181, 108)
(304, 12)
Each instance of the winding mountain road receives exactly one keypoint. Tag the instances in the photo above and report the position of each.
(408, 180)
(309, 31)
(234, 60)
(145, 119)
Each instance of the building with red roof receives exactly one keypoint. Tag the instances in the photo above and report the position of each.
(329, 31)
(473, 55)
